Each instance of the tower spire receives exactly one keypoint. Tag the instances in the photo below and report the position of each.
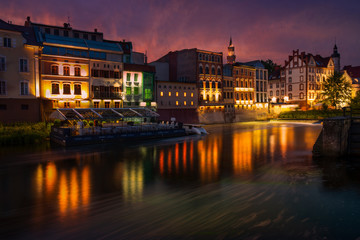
(230, 44)
(231, 53)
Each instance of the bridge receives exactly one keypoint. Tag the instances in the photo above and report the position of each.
(340, 136)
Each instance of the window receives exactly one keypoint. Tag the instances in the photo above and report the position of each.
(2, 64)
(77, 71)
(66, 71)
(201, 71)
(77, 103)
(85, 36)
(161, 93)
(117, 104)
(24, 106)
(136, 90)
(96, 104)
(2, 88)
(213, 70)
(93, 37)
(128, 91)
(301, 86)
(66, 88)
(206, 70)
(66, 33)
(192, 103)
(184, 94)
(277, 92)
(47, 30)
(169, 94)
(271, 93)
(177, 103)
(290, 96)
(54, 69)
(56, 32)
(24, 88)
(219, 71)
(290, 80)
(301, 95)
(192, 94)
(107, 104)
(270, 85)
(277, 85)
(77, 89)
(23, 65)
(290, 87)
(184, 103)
(290, 71)
(7, 42)
(55, 88)
(76, 35)
(128, 77)
(136, 77)
(301, 78)
(66, 105)
(282, 92)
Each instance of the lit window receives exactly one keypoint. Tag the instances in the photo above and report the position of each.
(77, 104)
(54, 69)
(169, 94)
(24, 88)
(136, 77)
(107, 104)
(128, 76)
(192, 94)
(184, 94)
(177, 103)
(192, 103)
(184, 103)
(177, 94)
(96, 104)
(66, 105)
(117, 104)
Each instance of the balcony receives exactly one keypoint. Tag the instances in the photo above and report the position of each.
(107, 95)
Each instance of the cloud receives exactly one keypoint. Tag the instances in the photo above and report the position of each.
(260, 29)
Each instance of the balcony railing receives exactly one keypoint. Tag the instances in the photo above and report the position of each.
(111, 95)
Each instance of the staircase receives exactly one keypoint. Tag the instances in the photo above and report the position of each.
(354, 137)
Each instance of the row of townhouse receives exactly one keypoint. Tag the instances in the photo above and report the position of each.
(43, 67)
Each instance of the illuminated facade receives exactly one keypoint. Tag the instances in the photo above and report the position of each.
(231, 57)
(276, 87)
(244, 80)
(305, 74)
(19, 79)
(352, 74)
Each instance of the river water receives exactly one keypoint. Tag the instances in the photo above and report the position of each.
(242, 181)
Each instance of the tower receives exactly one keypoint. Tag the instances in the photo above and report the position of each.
(336, 58)
(231, 53)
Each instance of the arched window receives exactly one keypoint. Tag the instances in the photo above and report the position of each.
(237, 96)
(271, 93)
(219, 84)
(200, 56)
(206, 70)
(290, 96)
(66, 88)
(213, 84)
(66, 70)
(242, 96)
(290, 87)
(277, 92)
(213, 70)
(55, 88)
(302, 86)
(207, 84)
(219, 71)
(77, 71)
(212, 58)
(54, 69)
(201, 70)
(77, 89)
(301, 95)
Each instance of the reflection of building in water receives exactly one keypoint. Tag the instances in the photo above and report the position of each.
(242, 150)
(133, 180)
(209, 158)
(72, 189)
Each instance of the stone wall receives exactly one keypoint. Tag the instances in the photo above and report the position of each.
(333, 139)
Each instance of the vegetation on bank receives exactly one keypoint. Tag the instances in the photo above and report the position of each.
(24, 133)
(310, 114)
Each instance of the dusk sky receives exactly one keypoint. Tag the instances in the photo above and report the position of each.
(260, 29)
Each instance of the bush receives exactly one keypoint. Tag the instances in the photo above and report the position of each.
(310, 115)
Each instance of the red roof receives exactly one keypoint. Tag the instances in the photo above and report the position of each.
(354, 72)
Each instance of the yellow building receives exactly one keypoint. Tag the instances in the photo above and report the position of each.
(244, 89)
(19, 78)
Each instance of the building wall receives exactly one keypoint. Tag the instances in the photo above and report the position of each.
(18, 79)
(244, 80)
(176, 95)
(261, 82)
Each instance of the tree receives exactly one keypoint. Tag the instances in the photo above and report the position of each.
(269, 65)
(337, 90)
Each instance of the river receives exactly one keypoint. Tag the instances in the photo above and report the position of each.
(242, 181)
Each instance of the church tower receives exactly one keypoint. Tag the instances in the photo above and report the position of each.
(231, 53)
(336, 58)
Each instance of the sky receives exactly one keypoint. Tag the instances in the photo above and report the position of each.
(260, 29)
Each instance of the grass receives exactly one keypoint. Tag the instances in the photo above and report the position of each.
(24, 133)
(310, 115)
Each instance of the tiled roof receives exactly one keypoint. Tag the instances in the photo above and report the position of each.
(354, 72)
(320, 61)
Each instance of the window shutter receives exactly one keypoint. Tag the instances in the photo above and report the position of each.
(13, 43)
(1, 42)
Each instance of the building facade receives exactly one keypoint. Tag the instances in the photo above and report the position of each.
(244, 80)
(19, 79)
(352, 74)
(305, 74)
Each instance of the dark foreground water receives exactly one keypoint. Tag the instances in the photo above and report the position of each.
(242, 181)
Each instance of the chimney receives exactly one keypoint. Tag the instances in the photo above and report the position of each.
(27, 22)
(95, 30)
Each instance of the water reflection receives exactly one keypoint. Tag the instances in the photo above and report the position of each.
(240, 176)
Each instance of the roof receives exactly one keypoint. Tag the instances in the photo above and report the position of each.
(354, 72)
(78, 42)
(255, 63)
(320, 61)
(275, 75)
(27, 32)
(138, 67)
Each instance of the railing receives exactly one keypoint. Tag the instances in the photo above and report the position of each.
(110, 95)
(352, 112)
